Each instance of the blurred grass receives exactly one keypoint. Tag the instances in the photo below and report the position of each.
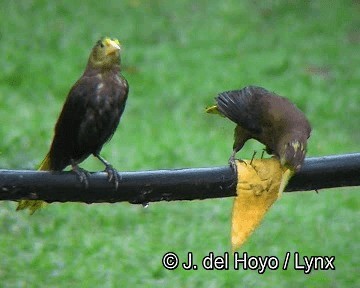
(177, 56)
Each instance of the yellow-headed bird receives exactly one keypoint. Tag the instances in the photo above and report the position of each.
(89, 117)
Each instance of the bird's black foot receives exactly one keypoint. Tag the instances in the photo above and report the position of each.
(113, 175)
(82, 175)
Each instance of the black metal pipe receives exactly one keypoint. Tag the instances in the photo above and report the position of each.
(158, 185)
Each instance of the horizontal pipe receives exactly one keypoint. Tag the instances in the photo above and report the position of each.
(168, 185)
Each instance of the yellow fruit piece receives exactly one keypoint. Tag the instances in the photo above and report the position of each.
(257, 189)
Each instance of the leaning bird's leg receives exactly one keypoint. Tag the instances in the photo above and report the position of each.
(262, 153)
(232, 160)
(232, 157)
(252, 158)
(113, 175)
(82, 174)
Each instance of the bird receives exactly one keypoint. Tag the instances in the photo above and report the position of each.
(89, 117)
(268, 118)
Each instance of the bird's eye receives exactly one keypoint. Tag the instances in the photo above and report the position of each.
(101, 45)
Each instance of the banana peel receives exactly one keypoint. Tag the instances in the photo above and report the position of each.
(260, 183)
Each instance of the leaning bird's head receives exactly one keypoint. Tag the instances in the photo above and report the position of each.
(105, 54)
(292, 152)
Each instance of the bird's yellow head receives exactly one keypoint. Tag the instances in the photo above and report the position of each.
(106, 53)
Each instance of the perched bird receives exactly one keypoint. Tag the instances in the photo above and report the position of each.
(269, 118)
(89, 117)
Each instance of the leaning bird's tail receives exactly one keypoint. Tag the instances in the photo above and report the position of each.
(213, 110)
(243, 107)
(33, 205)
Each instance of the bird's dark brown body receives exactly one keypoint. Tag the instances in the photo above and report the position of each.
(271, 119)
(89, 117)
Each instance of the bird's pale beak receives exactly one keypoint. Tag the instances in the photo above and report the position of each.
(111, 47)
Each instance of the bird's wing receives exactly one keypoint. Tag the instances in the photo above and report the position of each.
(243, 107)
(75, 107)
(69, 122)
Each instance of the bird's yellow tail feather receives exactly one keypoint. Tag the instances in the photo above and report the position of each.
(45, 164)
(213, 110)
(34, 205)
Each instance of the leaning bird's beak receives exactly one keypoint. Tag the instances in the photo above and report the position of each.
(112, 46)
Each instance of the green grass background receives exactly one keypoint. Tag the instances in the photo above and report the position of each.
(177, 55)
